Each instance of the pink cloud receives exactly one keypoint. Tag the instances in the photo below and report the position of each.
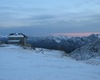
(76, 34)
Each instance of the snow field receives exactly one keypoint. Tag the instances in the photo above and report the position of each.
(41, 64)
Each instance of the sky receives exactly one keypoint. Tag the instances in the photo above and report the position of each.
(47, 17)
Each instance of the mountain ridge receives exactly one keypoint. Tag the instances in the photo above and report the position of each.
(86, 52)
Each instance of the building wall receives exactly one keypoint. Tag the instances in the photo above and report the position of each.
(22, 40)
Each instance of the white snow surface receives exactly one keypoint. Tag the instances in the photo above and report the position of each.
(98, 35)
(17, 63)
(16, 35)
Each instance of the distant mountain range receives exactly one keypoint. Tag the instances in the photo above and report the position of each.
(64, 43)
(79, 48)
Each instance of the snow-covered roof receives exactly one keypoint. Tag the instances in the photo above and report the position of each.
(16, 35)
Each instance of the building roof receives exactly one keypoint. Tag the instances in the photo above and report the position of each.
(17, 35)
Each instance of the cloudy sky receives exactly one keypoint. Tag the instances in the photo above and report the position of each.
(47, 17)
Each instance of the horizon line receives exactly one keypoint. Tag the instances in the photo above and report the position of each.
(76, 34)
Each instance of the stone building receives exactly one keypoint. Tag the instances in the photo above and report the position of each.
(17, 38)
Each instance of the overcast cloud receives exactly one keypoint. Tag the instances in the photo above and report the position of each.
(45, 17)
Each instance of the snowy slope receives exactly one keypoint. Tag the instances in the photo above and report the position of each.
(86, 52)
(41, 64)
